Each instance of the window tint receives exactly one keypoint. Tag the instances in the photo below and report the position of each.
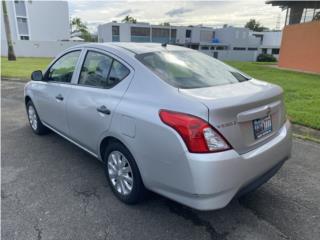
(95, 70)
(62, 70)
(190, 69)
(117, 73)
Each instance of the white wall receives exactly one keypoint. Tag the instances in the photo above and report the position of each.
(37, 48)
(47, 20)
(272, 39)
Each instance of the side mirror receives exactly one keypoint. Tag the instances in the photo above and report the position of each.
(37, 76)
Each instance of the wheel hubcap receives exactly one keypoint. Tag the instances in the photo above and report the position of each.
(32, 117)
(120, 173)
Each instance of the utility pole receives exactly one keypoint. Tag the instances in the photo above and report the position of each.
(11, 55)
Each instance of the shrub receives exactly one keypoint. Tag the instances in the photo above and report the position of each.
(263, 57)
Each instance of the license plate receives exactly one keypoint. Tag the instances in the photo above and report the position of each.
(262, 127)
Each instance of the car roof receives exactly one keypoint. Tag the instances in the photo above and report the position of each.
(136, 48)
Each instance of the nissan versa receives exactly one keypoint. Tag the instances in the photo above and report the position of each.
(164, 118)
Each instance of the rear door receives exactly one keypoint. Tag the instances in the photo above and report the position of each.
(102, 81)
(53, 92)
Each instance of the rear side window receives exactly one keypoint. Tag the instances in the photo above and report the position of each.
(100, 70)
(62, 70)
(117, 73)
(95, 70)
(190, 69)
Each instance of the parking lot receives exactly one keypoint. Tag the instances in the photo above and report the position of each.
(53, 190)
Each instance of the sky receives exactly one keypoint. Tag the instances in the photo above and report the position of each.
(207, 13)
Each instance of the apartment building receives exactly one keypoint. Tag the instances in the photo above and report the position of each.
(37, 20)
(228, 43)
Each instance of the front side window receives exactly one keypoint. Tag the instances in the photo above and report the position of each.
(100, 70)
(62, 70)
(95, 70)
(190, 69)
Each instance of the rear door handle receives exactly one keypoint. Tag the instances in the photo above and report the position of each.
(103, 109)
(59, 97)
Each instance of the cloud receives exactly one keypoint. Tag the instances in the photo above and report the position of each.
(208, 13)
(178, 12)
(124, 13)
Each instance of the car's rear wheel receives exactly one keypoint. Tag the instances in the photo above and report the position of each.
(123, 174)
(34, 120)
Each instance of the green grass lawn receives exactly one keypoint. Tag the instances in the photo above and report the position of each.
(22, 67)
(302, 90)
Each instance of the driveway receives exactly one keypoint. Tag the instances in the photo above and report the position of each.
(53, 190)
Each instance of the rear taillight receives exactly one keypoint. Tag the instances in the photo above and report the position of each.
(199, 136)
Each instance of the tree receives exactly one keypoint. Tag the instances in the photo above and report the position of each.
(254, 25)
(11, 55)
(77, 26)
(167, 24)
(316, 17)
(129, 19)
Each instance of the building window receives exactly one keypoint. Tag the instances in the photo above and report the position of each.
(253, 49)
(212, 48)
(264, 50)
(173, 33)
(239, 48)
(116, 30)
(188, 33)
(22, 26)
(275, 51)
(24, 37)
(204, 48)
(220, 48)
(115, 34)
(140, 34)
(160, 35)
(140, 31)
(20, 8)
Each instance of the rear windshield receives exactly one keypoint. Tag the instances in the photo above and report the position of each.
(190, 69)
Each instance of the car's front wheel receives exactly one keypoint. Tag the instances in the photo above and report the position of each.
(34, 120)
(123, 174)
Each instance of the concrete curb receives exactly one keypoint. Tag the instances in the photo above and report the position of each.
(306, 132)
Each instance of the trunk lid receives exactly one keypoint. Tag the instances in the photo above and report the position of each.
(233, 108)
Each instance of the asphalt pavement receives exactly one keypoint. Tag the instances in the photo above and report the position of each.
(50, 189)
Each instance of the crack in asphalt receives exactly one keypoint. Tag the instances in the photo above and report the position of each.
(190, 215)
(85, 195)
(38, 231)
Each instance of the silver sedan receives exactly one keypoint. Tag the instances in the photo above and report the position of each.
(164, 118)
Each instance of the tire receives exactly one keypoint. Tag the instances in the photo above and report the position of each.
(123, 176)
(34, 120)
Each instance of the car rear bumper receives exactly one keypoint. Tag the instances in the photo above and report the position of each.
(218, 177)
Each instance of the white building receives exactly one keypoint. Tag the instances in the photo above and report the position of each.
(228, 43)
(269, 42)
(37, 20)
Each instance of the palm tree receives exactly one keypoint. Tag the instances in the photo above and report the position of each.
(11, 55)
(129, 19)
